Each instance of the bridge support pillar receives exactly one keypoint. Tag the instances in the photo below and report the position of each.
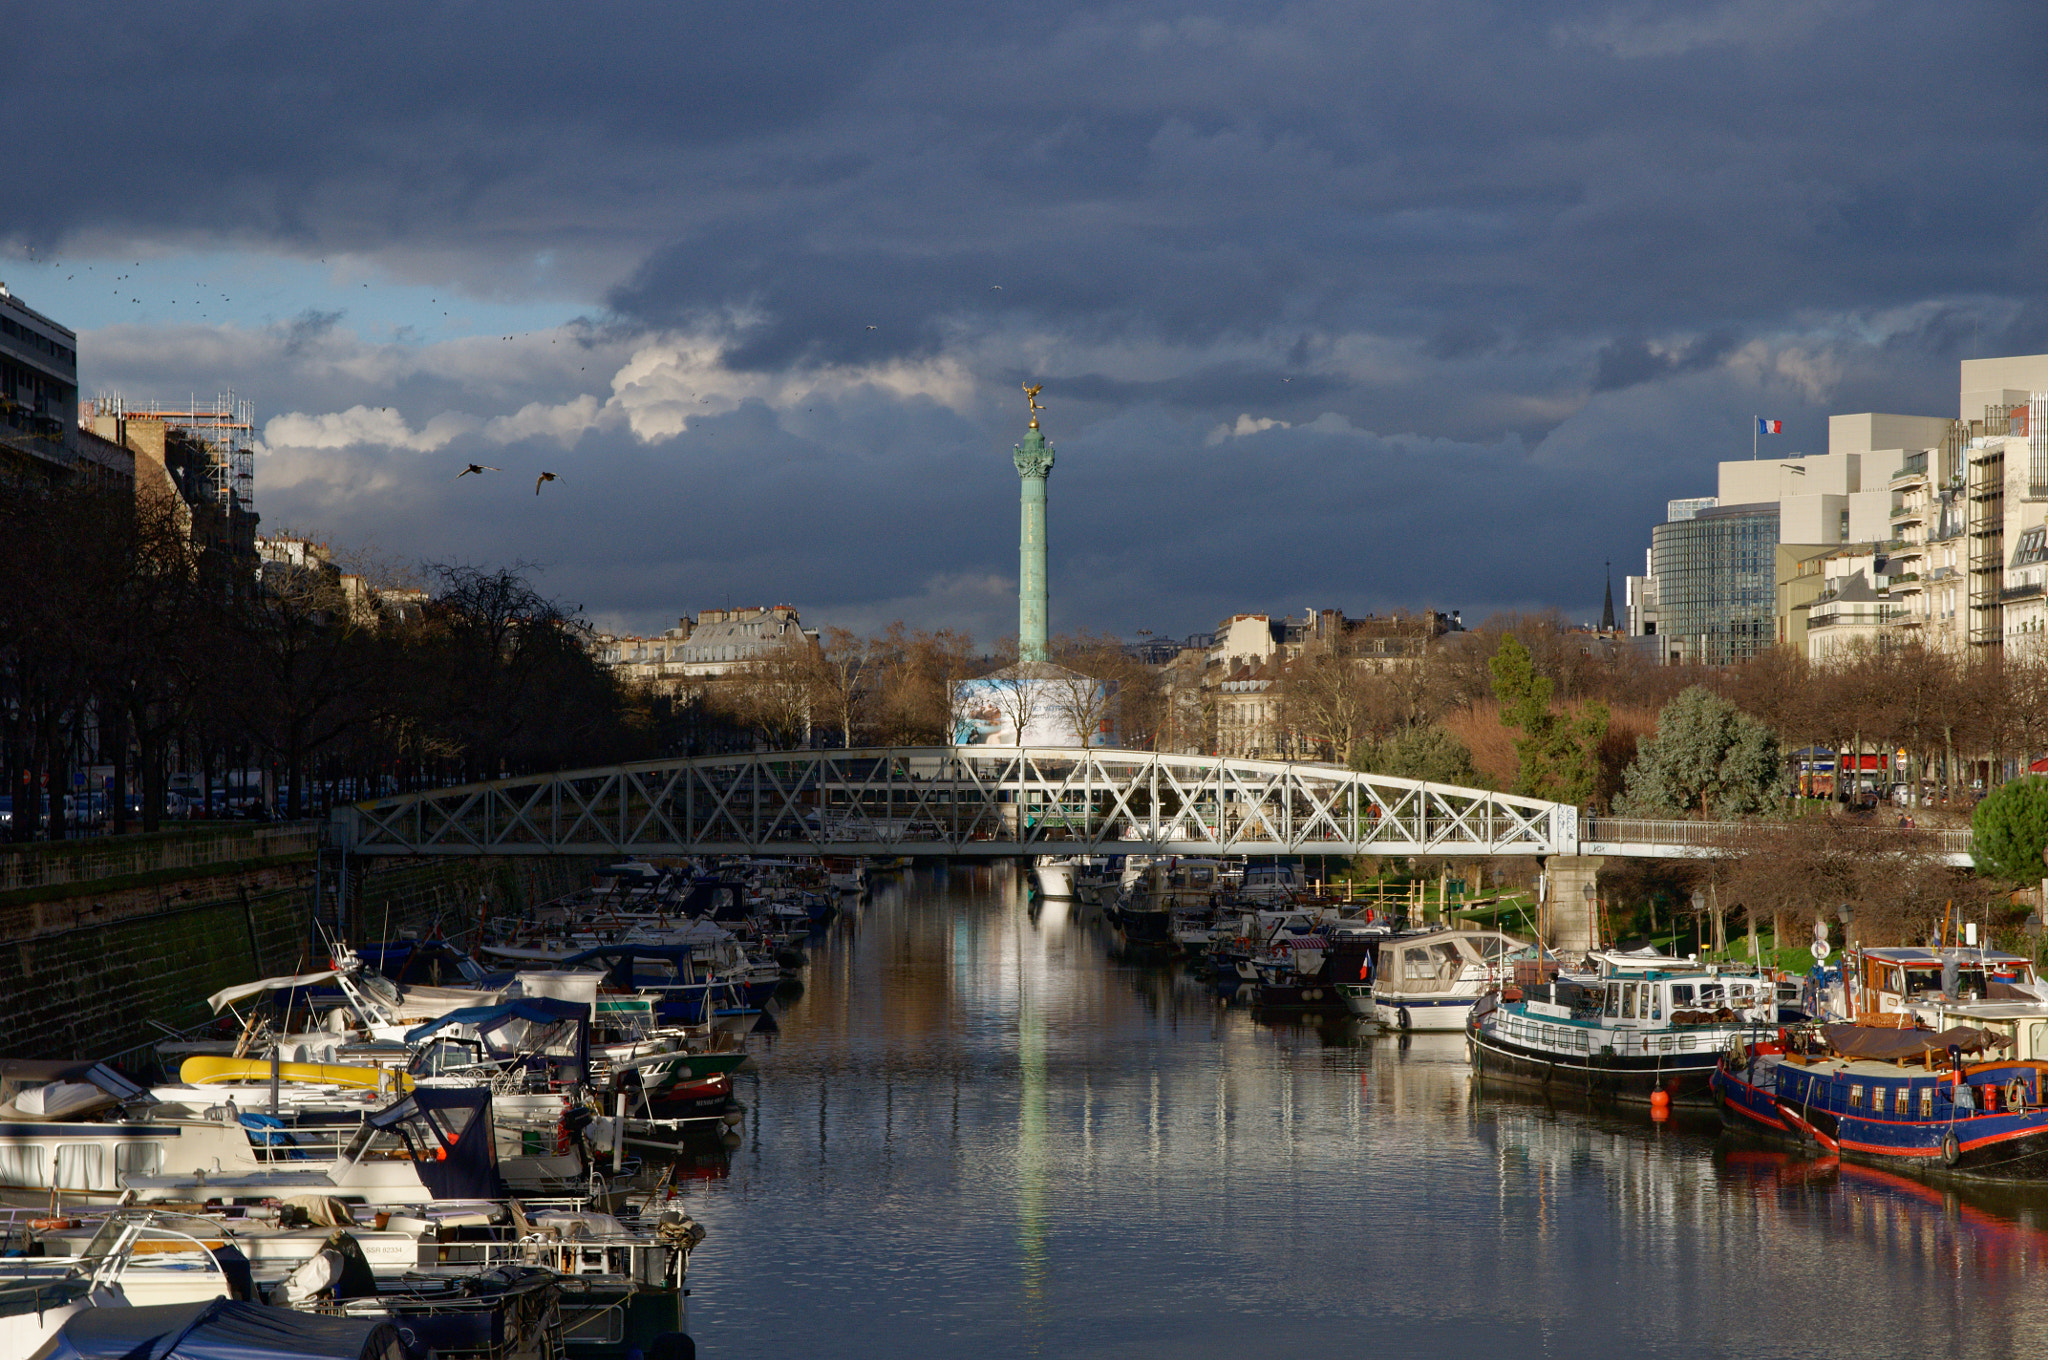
(1571, 913)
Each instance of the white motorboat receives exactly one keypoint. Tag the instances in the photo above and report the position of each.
(1431, 981)
(1055, 874)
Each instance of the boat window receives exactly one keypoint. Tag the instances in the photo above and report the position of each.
(1711, 994)
(137, 1159)
(1628, 1000)
(1902, 1105)
(1613, 999)
(1970, 980)
(1920, 981)
(443, 1055)
(1855, 1097)
(1681, 994)
(79, 1166)
(1656, 997)
(22, 1165)
(1894, 980)
(1417, 965)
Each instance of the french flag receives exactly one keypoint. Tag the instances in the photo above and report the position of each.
(1769, 426)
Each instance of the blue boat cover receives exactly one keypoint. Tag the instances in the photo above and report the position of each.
(538, 1010)
(220, 1329)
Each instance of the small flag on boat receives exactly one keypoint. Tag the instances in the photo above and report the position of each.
(1769, 426)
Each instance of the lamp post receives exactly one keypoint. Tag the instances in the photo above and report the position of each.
(1847, 913)
(1592, 892)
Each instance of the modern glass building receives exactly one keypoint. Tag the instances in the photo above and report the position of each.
(1716, 587)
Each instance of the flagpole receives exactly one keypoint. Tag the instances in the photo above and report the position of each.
(1756, 423)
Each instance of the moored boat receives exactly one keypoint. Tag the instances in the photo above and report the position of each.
(1431, 981)
(1644, 1024)
(1905, 1098)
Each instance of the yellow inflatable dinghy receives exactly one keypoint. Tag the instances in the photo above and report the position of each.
(213, 1070)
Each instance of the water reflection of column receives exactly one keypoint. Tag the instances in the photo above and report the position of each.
(1031, 1155)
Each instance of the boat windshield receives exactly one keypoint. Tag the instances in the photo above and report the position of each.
(1921, 981)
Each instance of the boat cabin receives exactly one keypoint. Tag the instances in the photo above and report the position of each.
(1440, 960)
(1908, 978)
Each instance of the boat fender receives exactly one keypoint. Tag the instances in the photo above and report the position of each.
(1951, 1151)
(1401, 1014)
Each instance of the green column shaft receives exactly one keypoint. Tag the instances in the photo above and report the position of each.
(1031, 593)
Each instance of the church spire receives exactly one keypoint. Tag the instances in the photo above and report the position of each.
(1607, 610)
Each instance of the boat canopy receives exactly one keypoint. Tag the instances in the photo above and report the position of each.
(221, 1329)
(228, 996)
(559, 984)
(538, 1030)
(448, 1130)
(489, 1019)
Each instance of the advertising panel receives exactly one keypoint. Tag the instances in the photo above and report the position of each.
(1006, 709)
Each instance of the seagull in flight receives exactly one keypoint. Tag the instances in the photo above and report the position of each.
(478, 468)
(544, 477)
(874, 328)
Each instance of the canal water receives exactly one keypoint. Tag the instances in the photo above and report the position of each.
(980, 1132)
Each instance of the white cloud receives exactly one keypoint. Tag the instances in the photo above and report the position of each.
(379, 426)
(1245, 425)
(564, 423)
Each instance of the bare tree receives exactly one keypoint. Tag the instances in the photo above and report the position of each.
(847, 670)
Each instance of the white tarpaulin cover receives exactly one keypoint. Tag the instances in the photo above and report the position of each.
(228, 996)
(557, 985)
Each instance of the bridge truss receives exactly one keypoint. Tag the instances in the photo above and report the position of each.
(958, 801)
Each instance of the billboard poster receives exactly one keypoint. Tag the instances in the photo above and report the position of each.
(1037, 709)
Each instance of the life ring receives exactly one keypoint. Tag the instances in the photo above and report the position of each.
(1951, 1151)
(1401, 1017)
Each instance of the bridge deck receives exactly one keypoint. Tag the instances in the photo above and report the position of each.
(992, 801)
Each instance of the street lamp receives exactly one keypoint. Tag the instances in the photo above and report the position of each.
(1592, 893)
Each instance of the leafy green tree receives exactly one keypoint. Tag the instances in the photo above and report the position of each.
(1558, 754)
(1427, 753)
(1708, 757)
(2009, 830)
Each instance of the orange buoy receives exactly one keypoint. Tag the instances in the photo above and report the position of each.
(1659, 1098)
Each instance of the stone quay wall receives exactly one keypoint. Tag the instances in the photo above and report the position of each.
(92, 968)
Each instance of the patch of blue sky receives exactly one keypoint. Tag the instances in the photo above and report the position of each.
(254, 291)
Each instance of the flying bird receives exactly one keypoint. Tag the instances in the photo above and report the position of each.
(544, 477)
(995, 288)
(478, 468)
(874, 328)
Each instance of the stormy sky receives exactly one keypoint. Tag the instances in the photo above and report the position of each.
(1335, 304)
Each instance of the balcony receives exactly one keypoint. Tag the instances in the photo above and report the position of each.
(2030, 591)
(1837, 616)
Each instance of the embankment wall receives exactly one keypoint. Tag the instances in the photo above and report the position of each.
(86, 968)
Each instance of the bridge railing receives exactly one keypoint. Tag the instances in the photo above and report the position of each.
(1729, 837)
(958, 800)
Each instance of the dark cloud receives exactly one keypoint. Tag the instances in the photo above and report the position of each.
(1625, 363)
(307, 327)
(1509, 239)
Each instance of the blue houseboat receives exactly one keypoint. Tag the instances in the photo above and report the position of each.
(1909, 1099)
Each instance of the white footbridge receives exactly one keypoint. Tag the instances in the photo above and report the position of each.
(983, 801)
